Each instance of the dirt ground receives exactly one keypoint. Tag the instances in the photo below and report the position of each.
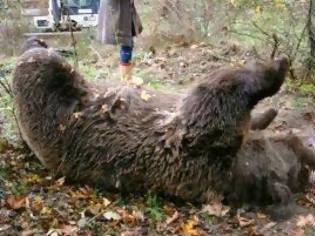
(35, 202)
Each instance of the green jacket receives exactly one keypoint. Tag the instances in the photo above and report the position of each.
(118, 22)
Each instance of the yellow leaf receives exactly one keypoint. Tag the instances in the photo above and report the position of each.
(234, 3)
(144, 95)
(137, 81)
(189, 228)
(45, 211)
(258, 10)
(36, 204)
(261, 215)
(32, 178)
(279, 4)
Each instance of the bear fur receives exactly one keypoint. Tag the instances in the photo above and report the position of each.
(269, 168)
(114, 137)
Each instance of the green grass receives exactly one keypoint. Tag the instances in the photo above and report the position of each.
(4, 173)
(154, 209)
(308, 88)
(209, 220)
(19, 188)
(6, 103)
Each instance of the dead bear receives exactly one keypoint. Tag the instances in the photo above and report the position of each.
(270, 167)
(123, 142)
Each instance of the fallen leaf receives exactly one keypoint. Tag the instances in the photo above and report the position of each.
(244, 222)
(130, 233)
(59, 182)
(268, 226)
(4, 227)
(94, 210)
(45, 211)
(194, 46)
(144, 95)
(16, 202)
(215, 209)
(111, 215)
(32, 178)
(189, 228)
(28, 232)
(82, 222)
(53, 232)
(305, 220)
(261, 215)
(37, 204)
(137, 81)
(138, 215)
(82, 193)
(69, 229)
(106, 202)
(171, 219)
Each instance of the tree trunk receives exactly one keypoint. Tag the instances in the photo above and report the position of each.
(311, 28)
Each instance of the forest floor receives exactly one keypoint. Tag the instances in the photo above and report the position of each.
(34, 202)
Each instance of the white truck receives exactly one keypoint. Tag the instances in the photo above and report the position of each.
(80, 13)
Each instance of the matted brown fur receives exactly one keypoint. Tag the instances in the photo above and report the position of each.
(269, 168)
(119, 140)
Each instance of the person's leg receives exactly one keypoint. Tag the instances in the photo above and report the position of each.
(125, 63)
(125, 55)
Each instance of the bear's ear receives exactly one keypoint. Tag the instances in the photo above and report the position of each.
(31, 43)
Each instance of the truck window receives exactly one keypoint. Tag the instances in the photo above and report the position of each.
(75, 6)
(79, 3)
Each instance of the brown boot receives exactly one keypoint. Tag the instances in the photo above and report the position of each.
(126, 74)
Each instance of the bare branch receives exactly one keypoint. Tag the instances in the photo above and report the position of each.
(275, 46)
(261, 29)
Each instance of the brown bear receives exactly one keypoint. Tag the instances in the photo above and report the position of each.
(124, 141)
(269, 167)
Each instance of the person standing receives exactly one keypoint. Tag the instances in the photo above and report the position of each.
(118, 24)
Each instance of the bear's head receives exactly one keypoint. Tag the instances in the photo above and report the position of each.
(265, 77)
